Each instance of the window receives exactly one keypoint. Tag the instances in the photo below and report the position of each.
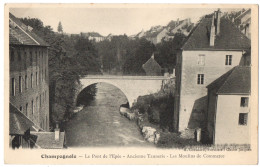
(19, 56)
(42, 75)
(40, 100)
(36, 78)
(26, 82)
(244, 102)
(21, 109)
(200, 80)
(36, 57)
(12, 56)
(228, 60)
(31, 58)
(36, 105)
(201, 60)
(32, 108)
(26, 109)
(31, 80)
(242, 118)
(20, 84)
(25, 59)
(13, 87)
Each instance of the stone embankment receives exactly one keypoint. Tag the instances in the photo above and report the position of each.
(150, 134)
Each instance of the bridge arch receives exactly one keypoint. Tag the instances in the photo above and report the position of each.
(87, 83)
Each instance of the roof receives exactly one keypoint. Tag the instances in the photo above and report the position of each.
(46, 140)
(18, 122)
(235, 81)
(152, 34)
(229, 38)
(20, 34)
(151, 63)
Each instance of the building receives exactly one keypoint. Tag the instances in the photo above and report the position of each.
(20, 127)
(156, 36)
(214, 46)
(243, 21)
(29, 79)
(29, 88)
(93, 36)
(180, 26)
(228, 110)
(152, 68)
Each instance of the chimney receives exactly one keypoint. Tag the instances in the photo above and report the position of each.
(233, 20)
(152, 56)
(212, 33)
(178, 21)
(57, 132)
(218, 21)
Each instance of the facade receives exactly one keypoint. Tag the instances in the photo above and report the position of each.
(152, 68)
(213, 47)
(244, 22)
(228, 111)
(29, 79)
(29, 89)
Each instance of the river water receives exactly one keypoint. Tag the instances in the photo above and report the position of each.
(100, 124)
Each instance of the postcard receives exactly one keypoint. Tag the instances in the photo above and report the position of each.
(131, 84)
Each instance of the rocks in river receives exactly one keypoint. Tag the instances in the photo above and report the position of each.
(150, 134)
(130, 116)
(123, 110)
(77, 109)
(127, 113)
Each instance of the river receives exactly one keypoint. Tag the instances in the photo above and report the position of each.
(100, 125)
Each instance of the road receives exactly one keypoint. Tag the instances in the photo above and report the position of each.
(101, 125)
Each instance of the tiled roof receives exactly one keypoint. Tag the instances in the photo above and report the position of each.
(18, 122)
(230, 38)
(46, 140)
(20, 35)
(235, 81)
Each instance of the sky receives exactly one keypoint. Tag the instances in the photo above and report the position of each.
(117, 21)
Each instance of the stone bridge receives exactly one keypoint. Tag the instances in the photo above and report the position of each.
(131, 86)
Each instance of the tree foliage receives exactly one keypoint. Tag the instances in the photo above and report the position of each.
(69, 58)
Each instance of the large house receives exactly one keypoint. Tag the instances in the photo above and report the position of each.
(29, 84)
(212, 48)
(228, 111)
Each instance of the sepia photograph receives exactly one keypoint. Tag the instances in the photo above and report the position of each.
(166, 78)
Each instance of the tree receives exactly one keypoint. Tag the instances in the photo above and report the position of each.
(60, 29)
(167, 51)
(133, 65)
